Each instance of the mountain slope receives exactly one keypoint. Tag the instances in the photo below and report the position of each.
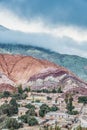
(36, 73)
(76, 64)
(20, 68)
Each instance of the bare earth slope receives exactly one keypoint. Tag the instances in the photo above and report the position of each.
(26, 70)
(20, 68)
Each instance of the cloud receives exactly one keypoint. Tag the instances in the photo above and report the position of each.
(66, 12)
(12, 21)
(63, 45)
(59, 26)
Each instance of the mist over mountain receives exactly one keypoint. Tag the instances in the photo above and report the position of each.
(36, 45)
(63, 45)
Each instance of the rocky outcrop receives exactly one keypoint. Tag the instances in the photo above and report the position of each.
(55, 79)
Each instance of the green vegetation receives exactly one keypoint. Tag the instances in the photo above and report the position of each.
(31, 112)
(69, 105)
(28, 118)
(54, 90)
(23, 118)
(44, 108)
(19, 96)
(82, 99)
(30, 106)
(32, 121)
(37, 100)
(27, 89)
(49, 98)
(59, 90)
(20, 90)
(6, 94)
(10, 109)
(3, 118)
(54, 108)
(12, 123)
(79, 128)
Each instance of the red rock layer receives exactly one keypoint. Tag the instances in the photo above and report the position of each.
(7, 87)
(20, 68)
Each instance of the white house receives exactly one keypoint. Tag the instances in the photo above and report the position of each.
(56, 115)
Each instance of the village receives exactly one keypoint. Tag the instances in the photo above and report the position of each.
(47, 110)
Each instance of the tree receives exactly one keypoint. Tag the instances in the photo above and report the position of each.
(66, 98)
(41, 113)
(27, 89)
(7, 109)
(24, 95)
(54, 108)
(20, 90)
(14, 104)
(54, 90)
(69, 104)
(30, 106)
(32, 121)
(6, 94)
(17, 96)
(59, 90)
(44, 108)
(82, 99)
(12, 123)
(23, 118)
(49, 98)
(79, 128)
(37, 100)
(75, 112)
(31, 112)
(3, 118)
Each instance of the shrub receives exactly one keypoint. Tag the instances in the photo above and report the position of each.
(44, 108)
(31, 112)
(49, 98)
(29, 106)
(37, 100)
(82, 99)
(12, 123)
(32, 121)
(54, 108)
(23, 118)
(6, 94)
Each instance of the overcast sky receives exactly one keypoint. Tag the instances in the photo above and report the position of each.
(60, 25)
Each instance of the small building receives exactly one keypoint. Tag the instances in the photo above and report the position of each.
(22, 111)
(37, 104)
(56, 115)
(40, 120)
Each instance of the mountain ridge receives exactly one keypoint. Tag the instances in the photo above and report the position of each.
(74, 63)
